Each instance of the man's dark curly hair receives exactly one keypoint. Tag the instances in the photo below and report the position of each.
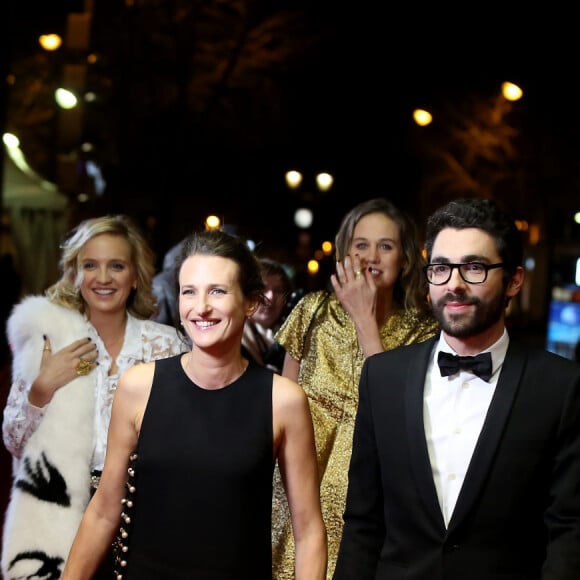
(483, 214)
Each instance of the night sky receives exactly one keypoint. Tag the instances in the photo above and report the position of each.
(353, 96)
(374, 64)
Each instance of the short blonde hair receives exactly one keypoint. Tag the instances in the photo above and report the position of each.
(66, 292)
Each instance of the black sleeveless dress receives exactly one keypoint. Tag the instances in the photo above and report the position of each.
(202, 481)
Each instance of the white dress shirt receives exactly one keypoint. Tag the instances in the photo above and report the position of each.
(454, 410)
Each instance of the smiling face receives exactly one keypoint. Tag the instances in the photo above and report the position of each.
(212, 306)
(471, 312)
(376, 240)
(106, 274)
(269, 313)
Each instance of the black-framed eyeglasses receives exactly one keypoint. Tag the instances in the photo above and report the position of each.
(471, 272)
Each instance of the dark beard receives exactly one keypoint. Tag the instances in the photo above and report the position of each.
(463, 326)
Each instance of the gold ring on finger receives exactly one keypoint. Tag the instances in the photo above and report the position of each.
(357, 274)
(84, 367)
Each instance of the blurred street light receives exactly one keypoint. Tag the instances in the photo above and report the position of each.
(50, 42)
(422, 117)
(65, 99)
(303, 218)
(212, 222)
(293, 179)
(324, 181)
(313, 267)
(511, 91)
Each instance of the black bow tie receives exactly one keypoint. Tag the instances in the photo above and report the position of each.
(451, 364)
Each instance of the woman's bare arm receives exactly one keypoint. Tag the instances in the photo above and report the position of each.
(101, 520)
(296, 453)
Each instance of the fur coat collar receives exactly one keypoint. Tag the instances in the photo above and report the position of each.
(51, 482)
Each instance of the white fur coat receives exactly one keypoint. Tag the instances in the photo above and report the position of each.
(50, 489)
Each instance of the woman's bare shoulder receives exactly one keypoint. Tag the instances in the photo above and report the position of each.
(287, 393)
(138, 376)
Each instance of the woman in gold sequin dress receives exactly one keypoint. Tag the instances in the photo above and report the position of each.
(378, 303)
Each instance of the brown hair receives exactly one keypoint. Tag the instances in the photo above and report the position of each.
(221, 244)
(411, 287)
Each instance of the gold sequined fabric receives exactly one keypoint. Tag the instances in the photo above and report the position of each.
(320, 334)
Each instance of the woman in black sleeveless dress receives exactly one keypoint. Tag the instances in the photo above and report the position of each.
(193, 442)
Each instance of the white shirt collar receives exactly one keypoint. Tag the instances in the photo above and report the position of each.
(498, 349)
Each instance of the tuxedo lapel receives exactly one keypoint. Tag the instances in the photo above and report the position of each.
(421, 464)
(492, 432)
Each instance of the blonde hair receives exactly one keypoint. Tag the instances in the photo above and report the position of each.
(66, 291)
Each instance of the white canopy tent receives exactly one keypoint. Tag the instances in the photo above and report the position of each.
(38, 219)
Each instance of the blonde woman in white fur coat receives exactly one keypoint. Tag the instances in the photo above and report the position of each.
(69, 348)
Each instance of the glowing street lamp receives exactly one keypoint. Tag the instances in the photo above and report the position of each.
(303, 218)
(511, 91)
(324, 181)
(422, 117)
(212, 222)
(293, 179)
(65, 99)
(50, 42)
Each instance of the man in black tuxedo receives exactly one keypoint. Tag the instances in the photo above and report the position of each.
(463, 468)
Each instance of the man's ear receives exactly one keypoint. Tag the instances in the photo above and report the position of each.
(516, 282)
